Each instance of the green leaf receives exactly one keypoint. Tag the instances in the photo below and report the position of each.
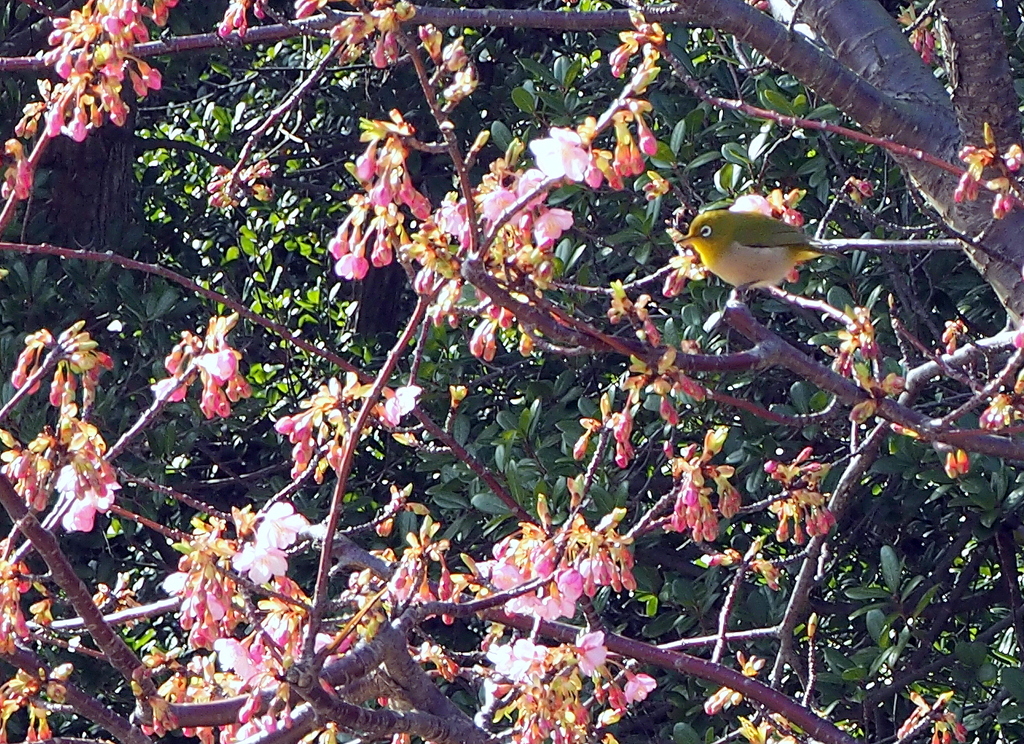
(525, 100)
(684, 733)
(891, 569)
(501, 135)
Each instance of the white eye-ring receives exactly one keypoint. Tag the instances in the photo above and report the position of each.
(705, 231)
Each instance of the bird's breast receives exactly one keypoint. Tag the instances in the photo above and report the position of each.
(754, 265)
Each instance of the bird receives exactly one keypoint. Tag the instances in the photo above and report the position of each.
(748, 249)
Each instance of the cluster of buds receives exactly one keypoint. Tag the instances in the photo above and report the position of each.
(17, 175)
(77, 354)
(215, 363)
(1004, 185)
(957, 464)
(693, 474)
(645, 37)
(13, 583)
(620, 423)
(75, 450)
(803, 504)
(203, 581)
(229, 186)
(236, 17)
(922, 36)
(776, 205)
(484, 344)
(385, 19)
(92, 52)
(622, 307)
(953, 332)
(667, 382)
(25, 690)
(945, 728)
(755, 560)
(857, 340)
(326, 420)
(857, 189)
(410, 580)
(375, 220)
(726, 697)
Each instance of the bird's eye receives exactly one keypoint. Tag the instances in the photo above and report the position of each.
(705, 231)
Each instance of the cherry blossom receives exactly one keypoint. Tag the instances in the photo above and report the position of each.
(260, 562)
(638, 686)
(518, 660)
(561, 155)
(592, 652)
(280, 526)
(550, 225)
(400, 402)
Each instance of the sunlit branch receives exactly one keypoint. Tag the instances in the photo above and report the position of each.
(320, 598)
(85, 705)
(782, 354)
(817, 727)
(442, 17)
(118, 653)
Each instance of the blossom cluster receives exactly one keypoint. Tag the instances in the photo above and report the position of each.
(209, 608)
(13, 583)
(804, 505)
(1004, 184)
(541, 687)
(213, 361)
(228, 187)
(577, 560)
(328, 417)
(264, 557)
(693, 475)
(507, 223)
(92, 53)
(73, 451)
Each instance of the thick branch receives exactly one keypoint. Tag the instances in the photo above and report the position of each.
(782, 354)
(118, 653)
(84, 705)
(979, 69)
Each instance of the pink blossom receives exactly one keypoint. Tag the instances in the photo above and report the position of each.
(493, 204)
(592, 652)
(561, 602)
(506, 576)
(280, 526)
(352, 267)
(221, 365)
(89, 493)
(518, 660)
(366, 164)
(561, 155)
(451, 218)
(400, 403)
(234, 656)
(752, 203)
(260, 562)
(549, 227)
(638, 686)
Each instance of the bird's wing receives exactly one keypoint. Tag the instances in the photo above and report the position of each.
(770, 233)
